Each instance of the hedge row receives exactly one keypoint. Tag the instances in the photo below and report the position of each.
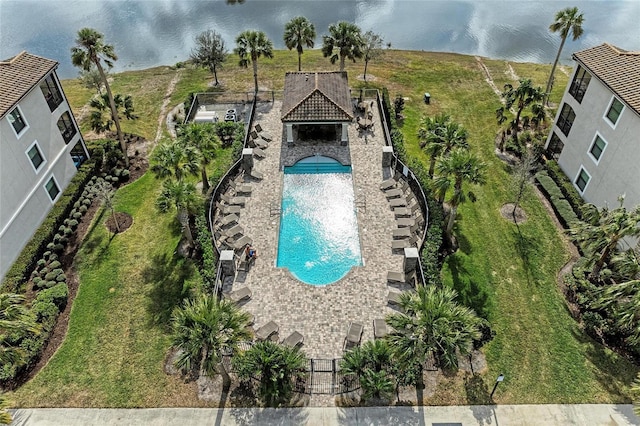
(208, 259)
(19, 273)
(561, 206)
(569, 192)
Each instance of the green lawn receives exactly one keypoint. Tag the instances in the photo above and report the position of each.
(118, 338)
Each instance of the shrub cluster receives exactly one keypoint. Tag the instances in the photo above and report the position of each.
(208, 261)
(560, 205)
(569, 192)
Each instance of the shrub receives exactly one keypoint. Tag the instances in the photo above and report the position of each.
(44, 310)
(57, 294)
(55, 265)
(83, 209)
(43, 262)
(77, 215)
(208, 257)
(569, 192)
(73, 223)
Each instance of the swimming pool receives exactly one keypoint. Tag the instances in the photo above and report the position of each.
(318, 239)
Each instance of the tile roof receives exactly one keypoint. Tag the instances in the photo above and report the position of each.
(617, 68)
(18, 75)
(316, 96)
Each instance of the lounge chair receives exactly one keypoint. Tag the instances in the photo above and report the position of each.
(388, 184)
(398, 202)
(266, 136)
(257, 143)
(401, 233)
(225, 209)
(258, 127)
(396, 277)
(400, 244)
(354, 335)
(267, 330)
(256, 174)
(379, 328)
(393, 298)
(233, 231)
(402, 212)
(393, 193)
(293, 340)
(229, 219)
(238, 295)
(240, 242)
(241, 188)
(253, 134)
(405, 222)
(234, 201)
(258, 153)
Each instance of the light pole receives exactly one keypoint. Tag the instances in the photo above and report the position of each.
(498, 380)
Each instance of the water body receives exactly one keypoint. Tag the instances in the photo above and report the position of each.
(148, 33)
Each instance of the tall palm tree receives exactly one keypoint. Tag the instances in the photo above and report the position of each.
(520, 98)
(205, 327)
(460, 166)
(299, 32)
(251, 45)
(344, 41)
(432, 323)
(91, 50)
(14, 317)
(275, 365)
(625, 297)
(439, 135)
(202, 137)
(372, 364)
(567, 21)
(210, 52)
(183, 196)
(603, 230)
(174, 159)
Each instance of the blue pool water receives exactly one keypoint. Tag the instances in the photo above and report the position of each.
(318, 239)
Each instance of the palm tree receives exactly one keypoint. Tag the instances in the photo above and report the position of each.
(5, 417)
(203, 138)
(566, 21)
(298, 32)
(344, 41)
(602, 231)
(438, 136)
(372, 364)
(371, 48)
(100, 103)
(251, 45)
(625, 297)
(14, 317)
(210, 52)
(205, 327)
(522, 97)
(635, 392)
(91, 50)
(432, 323)
(183, 196)
(460, 166)
(173, 158)
(275, 365)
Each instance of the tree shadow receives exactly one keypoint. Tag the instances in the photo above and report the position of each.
(527, 248)
(479, 398)
(470, 294)
(615, 372)
(411, 416)
(168, 276)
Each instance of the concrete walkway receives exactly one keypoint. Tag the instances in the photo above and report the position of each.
(482, 415)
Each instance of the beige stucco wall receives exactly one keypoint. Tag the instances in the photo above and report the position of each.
(24, 202)
(618, 170)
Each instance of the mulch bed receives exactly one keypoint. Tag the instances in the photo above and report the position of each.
(123, 220)
(507, 213)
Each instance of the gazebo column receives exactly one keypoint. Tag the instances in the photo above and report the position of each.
(345, 135)
(289, 127)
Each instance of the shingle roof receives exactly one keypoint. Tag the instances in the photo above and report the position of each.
(617, 68)
(316, 96)
(18, 75)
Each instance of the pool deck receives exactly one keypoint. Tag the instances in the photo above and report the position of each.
(320, 313)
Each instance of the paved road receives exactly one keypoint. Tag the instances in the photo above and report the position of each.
(482, 415)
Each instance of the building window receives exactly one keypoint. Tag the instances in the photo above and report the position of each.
(66, 126)
(51, 92)
(579, 84)
(597, 147)
(554, 149)
(52, 188)
(35, 156)
(615, 109)
(565, 121)
(582, 180)
(17, 121)
(78, 154)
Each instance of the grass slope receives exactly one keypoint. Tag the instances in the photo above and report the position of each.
(118, 334)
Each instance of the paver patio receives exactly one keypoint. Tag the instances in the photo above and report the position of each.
(320, 313)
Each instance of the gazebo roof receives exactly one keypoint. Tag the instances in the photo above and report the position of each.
(316, 97)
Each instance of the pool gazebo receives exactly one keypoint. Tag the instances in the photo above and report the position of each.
(316, 107)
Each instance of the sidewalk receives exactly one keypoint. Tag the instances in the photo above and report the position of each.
(482, 415)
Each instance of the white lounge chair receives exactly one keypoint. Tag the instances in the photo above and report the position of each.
(238, 295)
(267, 330)
(354, 335)
(379, 328)
(293, 340)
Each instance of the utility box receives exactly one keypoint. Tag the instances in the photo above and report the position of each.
(427, 98)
